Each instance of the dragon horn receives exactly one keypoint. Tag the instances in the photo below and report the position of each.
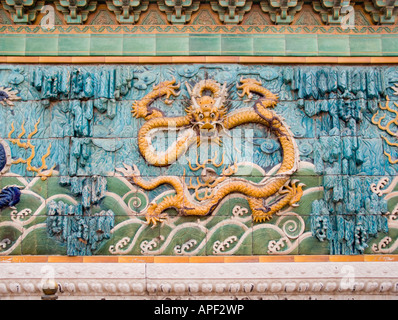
(194, 102)
(188, 88)
(222, 96)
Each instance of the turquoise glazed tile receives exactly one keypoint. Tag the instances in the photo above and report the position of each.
(301, 45)
(333, 200)
(12, 44)
(174, 44)
(74, 45)
(236, 45)
(4, 128)
(269, 45)
(139, 45)
(108, 45)
(365, 45)
(28, 109)
(43, 45)
(329, 45)
(205, 44)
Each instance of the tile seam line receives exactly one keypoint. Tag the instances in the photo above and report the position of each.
(208, 59)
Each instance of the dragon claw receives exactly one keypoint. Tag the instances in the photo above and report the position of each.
(128, 171)
(152, 217)
(155, 219)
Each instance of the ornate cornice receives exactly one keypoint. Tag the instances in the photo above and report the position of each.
(127, 12)
(231, 12)
(382, 11)
(358, 280)
(75, 11)
(179, 12)
(218, 12)
(282, 12)
(23, 12)
(231, 29)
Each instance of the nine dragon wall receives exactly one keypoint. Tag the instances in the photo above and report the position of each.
(64, 130)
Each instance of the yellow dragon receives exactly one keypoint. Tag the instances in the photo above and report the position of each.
(207, 113)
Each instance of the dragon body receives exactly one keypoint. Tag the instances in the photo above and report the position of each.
(207, 113)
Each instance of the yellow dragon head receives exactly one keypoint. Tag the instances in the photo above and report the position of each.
(206, 111)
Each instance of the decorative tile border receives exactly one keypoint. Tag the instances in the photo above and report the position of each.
(196, 59)
(284, 280)
(199, 259)
(192, 29)
(89, 43)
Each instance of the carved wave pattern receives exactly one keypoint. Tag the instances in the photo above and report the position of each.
(229, 231)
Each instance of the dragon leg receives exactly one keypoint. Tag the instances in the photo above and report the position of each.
(141, 109)
(155, 212)
(291, 194)
(259, 212)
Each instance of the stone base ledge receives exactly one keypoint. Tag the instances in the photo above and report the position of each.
(307, 280)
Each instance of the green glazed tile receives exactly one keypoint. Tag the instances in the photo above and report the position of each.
(301, 45)
(204, 44)
(38, 242)
(377, 240)
(229, 238)
(333, 45)
(111, 45)
(236, 45)
(312, 246)
(12, 44)
(185, 241)
(265, 238)
(389, 45)
(43, 45)
(168, 45)
(71, 45)
(269, 45)
(365, 45)
(9, 235)
(140, 45)
(148, 236)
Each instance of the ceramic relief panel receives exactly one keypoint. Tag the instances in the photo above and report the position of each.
(198, 160)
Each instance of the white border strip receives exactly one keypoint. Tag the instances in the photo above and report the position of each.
(360, 280)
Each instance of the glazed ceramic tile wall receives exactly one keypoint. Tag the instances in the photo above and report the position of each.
(197, 28)
(177, 41)
(198, 160)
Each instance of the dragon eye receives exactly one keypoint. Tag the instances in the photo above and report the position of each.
(200, 116)
(212, 115)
